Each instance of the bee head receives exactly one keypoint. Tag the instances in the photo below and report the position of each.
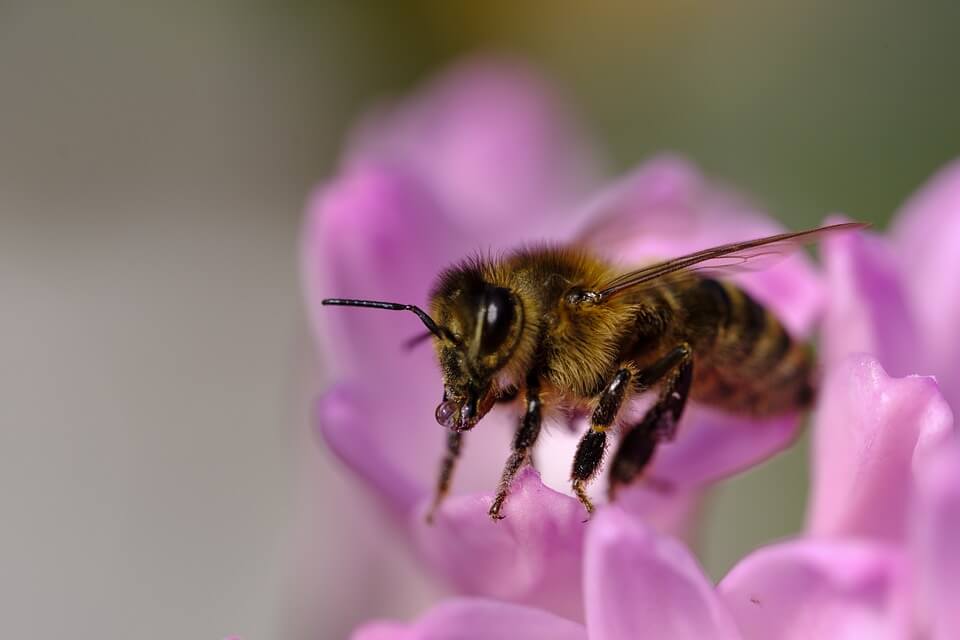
(484, 324)
(476, 328)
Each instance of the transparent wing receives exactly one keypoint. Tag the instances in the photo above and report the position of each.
(726, 259)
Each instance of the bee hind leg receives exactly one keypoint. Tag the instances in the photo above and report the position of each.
(660, 422)
(523, 441)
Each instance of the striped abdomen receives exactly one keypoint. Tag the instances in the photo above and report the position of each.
(744, 359)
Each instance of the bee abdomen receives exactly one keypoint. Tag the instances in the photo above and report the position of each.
(751, 337)
(758, 368)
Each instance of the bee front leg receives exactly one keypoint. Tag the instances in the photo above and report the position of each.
(590, 451)
(660, 422)
(523, 441)
(452, 454)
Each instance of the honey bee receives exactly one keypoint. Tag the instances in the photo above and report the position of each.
(561, 326)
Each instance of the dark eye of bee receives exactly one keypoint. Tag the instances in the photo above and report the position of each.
(497, 318)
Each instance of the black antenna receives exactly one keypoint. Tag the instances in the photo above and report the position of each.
(389, 306)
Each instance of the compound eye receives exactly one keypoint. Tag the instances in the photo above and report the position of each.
(498, 313)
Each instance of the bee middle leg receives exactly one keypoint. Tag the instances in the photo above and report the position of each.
(523, 441)
(660, 422)
(676, 366)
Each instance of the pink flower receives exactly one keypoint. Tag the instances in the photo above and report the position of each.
(871, 435)
(485, 158)
(638, 583)
(886, 468)
(898, 296)
(641, 584)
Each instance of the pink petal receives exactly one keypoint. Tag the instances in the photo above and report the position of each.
(872, 433)
(389, 438)
(638, 584)
(493, 141)
(867, 309)
(476, 619)
(936, 530)
(712, 445)
(346, 422)
(532, 556)
(926, 235)
(375, 233)
(804, 590)
(665, 208)
(677, 514)
(669, 501)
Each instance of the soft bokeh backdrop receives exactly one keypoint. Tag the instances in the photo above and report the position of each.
(157, 475)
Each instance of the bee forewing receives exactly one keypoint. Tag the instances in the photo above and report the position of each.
(737, 257)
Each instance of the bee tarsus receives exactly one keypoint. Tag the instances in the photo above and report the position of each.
(586, 461)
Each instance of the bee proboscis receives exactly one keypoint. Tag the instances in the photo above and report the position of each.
(561, 325)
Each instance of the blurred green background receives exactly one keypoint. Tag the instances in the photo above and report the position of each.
(158, 478)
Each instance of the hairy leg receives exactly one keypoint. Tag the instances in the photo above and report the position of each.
(452, 454)
(523, 441)
(593, 444)
(660, 423)
(454, 444)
